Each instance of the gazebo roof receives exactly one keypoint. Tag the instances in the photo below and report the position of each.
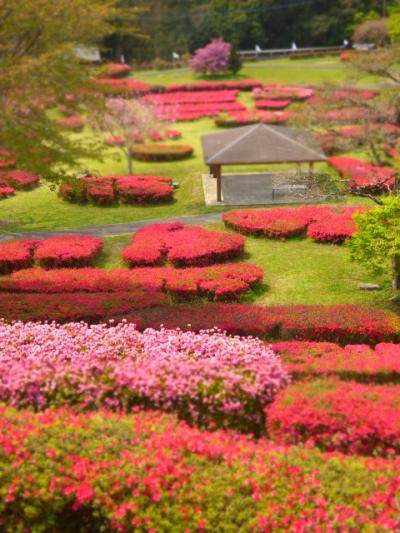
(260, 143)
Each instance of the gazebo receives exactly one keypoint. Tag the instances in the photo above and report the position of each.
(259, 144)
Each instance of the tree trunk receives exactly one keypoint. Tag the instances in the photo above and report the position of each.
(130, 163)
(396, 272)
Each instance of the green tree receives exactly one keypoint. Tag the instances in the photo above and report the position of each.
(235, 63)
(377, 241)
(39, 68)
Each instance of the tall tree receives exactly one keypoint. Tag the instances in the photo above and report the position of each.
(38, 68)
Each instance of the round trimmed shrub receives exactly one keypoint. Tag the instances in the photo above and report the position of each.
(161, 151)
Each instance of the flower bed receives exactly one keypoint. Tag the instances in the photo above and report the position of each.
(16, 254)
(336, 415)
(324, 223)
(192, 97)
(194, 111)
(345, 115)
(206, 378)
(362, 175)
(181, 245)
(226, 281)
(161, 152)
(72, 122)
(144, 471)
(357, 362)
(106, 190)
(68, 251)
(18, 179)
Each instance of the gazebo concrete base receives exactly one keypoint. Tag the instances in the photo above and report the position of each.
(250, 189)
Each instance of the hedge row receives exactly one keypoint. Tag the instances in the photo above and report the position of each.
(64, 471)
(358, 362)
(182, 246)
(338, 415)
(192, 97)
(106, 190)
(323, 223)
(207, 379)
(344, 324)
(232, 119)
(226, 281)
(50, 252)
(281, 91)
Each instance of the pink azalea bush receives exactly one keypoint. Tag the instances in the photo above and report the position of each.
(181, 245)
(206, 378)
(213, 58)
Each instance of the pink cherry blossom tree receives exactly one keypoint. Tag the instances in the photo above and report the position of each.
(213, 58)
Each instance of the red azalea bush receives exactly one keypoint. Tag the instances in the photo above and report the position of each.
(105, 190)
(115, 70)
(354, 361)
(182, 245)
(144, 471)
(182, 112)
(338, 415)
(245, 117)
(192, 97)
(272, 104)
(18, 179)
(344, 115)
(5, 192)
(362, 175)
(72, 122)
(281, 91)
(68, 251)
(16, 254)
(205, 378)
(324, 223)
(122, 87)
(173, 134)
(225, 281)
(161, 152)
(144, 188)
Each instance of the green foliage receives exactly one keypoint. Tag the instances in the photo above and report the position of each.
(377, 241)
(394, 21)
(235, 63)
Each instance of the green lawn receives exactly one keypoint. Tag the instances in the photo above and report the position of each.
(296, 271)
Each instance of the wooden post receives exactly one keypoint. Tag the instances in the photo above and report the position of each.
(298, 165)
(215, 171)
(311, 168)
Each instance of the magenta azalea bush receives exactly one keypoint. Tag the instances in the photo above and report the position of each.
(213, 58)
(207, 378)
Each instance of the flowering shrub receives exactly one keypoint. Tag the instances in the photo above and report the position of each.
(336, 415)
(281, 91)
(114, 140)
(212, 59)
(204, 378)
(272, 104)
(192, 97)
(173, 134)
(16, 254)
(182, 112)
(362, 175)
(115, 70)
(324, 223)
(345, 115)
(72, 122)
(104, 190)
(18, 179)
(182, 245)
(122, 87)
(234, 118)
(6, 191)
(354, 361)
(161, 152)
(68, 251)
(149, 472)
(224, 281)
(220, 85)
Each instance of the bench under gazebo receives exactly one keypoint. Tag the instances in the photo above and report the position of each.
(259, 144)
